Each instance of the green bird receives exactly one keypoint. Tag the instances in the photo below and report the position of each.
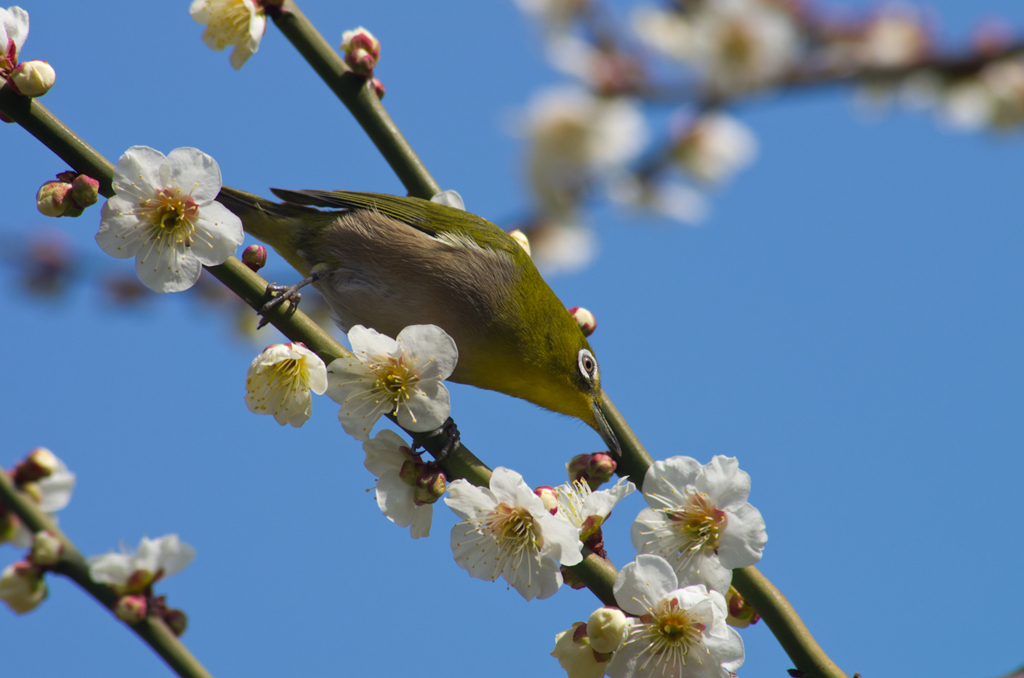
(386, 262)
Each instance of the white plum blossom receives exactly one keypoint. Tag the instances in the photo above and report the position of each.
(897, 36)
(679, 631)
(51, 492)
(673, 199)
(386, 454)
(665, 31)
(743, 44)
(164, 215)
(716, 146)
(22, 587)
(506, 532)
(699, 519)
(231, 23)
(585, 509)
(13, 31)
(135, 571)
(280, 379)
(401, 376)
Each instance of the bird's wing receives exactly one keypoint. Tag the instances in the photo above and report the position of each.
(447, 224)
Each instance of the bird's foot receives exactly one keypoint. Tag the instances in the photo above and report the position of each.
(282, 293)
(450, 444)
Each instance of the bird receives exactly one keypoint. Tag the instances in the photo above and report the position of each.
(386, 262)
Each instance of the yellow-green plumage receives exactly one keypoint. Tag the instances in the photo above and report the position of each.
(389, 262)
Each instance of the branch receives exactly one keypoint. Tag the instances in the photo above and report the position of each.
(358, 96)
(152, 630)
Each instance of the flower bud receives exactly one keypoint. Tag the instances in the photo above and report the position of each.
(430, 487)
(22, 587)
(378, 87)
(585, 319)
(38, 464)
(85, 191)
(578, 467)
(52, 198)
(176, 620)
(574, 654)
(255, 257)
(46, 549)
(131, 609)
(601, 469)
(9, 524)
(606, 628)
(411, 471)
(33, 78)
(741, 613)
(523, 241)
(549, 496)
(362, 50)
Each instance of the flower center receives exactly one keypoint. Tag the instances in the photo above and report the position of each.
(173, 213)
(737, 45)
(668, 634)
(229, 21)
(513, 528)
(698, 522)
(396, 379)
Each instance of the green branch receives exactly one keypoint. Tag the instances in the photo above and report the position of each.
(358, 96)
(73, 565)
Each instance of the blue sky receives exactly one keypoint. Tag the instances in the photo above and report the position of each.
(848, 323)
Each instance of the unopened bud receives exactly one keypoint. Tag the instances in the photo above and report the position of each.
(430, 487)
(176, 620)
(741, 613)
(549, 496)
(46, 549)
(38, 464)
(9, 524)
(606, 628)
(22, 587)
(85, 191)
(378, 87)
(52, 198)
(131, 609)
(578, 467)
(255, 257)
(523, 241)
(585, 319)
(411, 471)
(362, 50)
(601, 469)
(33, 78)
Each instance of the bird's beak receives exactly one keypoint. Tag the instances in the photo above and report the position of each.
(604, 428)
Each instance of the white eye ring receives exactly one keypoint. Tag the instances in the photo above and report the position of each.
(587, 363)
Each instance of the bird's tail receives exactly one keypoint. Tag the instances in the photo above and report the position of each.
(282, 226)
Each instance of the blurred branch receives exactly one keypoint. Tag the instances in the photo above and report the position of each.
(152, 630)
(359, 97)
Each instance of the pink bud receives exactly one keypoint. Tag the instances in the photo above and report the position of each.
(601, 469)
(549, 496)
(53, 198)
(131, 609)
(255, 257)
(585, 319)
(362, 51)
(176, 620)
(578, 467)
(85, 191)
(378, 87)
(38, 464)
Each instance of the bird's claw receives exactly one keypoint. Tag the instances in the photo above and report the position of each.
(452, 442)
(282, 293)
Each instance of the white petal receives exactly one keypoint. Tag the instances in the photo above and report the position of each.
(670, 477)
(561, 540)
(218, 234)
(384, 453)
(111, 568)
(200, 11)
(534, 579)
(174, 554)
(137, 174)
(241, 54)
(195, 173)
(167, 269)
(422, 517)
(646, 579)
(468, 501)
(724, 483)
(395, 500)
(56, 489)
(368, 343)
(121, 235)
(742, 542)
(15, 25)
(602, 502)
(427, 409)
(435, 352)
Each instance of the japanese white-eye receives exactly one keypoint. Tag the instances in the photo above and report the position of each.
(387, 262)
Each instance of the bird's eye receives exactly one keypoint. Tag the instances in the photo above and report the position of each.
(588, 364)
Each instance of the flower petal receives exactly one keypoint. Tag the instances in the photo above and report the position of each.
(195, 173)
(724, 483)
(435, 351)
(647, 579)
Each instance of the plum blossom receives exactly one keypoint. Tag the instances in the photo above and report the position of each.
(401, 376)
(45, 478)
(507, 532)
(280, 379)
(587, 510)
(678, 631)
(13, 31)
(386, 457)
(134, 571)
(164, 215)
(22, 587)
(231, 23)
(575, 654)
(700, 520)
